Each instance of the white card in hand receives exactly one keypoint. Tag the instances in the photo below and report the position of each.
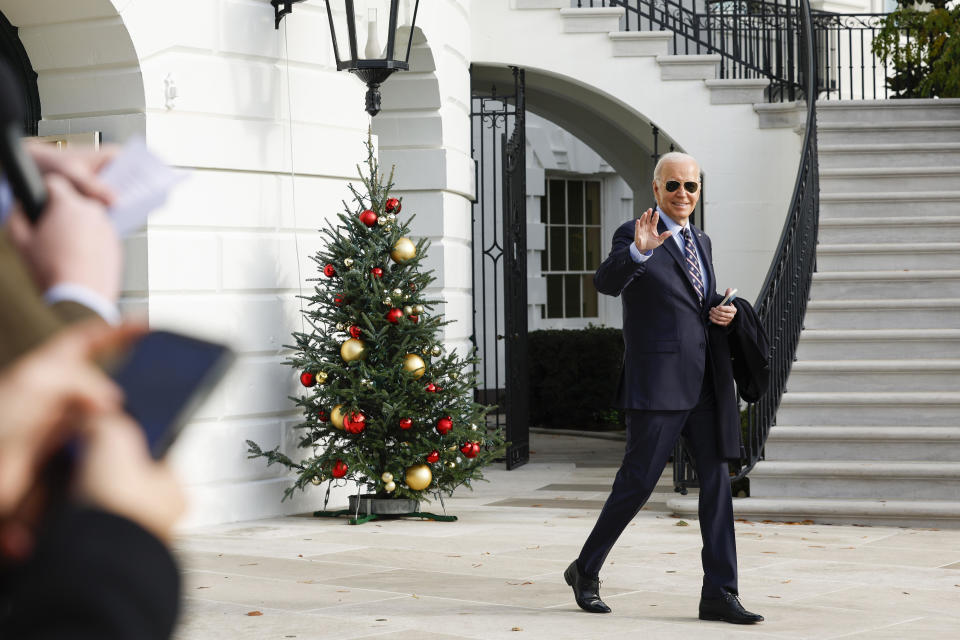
(142, 183)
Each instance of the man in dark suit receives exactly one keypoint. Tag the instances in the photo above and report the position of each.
(661, 267)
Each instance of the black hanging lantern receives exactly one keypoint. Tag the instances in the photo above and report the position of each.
(378, 61)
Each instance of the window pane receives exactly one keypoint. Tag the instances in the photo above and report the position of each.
(575, 249)
(558, 203)
(571, 305)
(593, 203)
(554, 296)
(575, 201)
(543, 208)
(593, 248)
(558, 249)
(544, 254)
(589, 298)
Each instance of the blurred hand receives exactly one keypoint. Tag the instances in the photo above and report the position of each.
(74, 242)
(723, 316)
(117, 474)
(81, 167)
(45, 392)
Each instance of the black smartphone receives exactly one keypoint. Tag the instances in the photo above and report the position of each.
(164, 376)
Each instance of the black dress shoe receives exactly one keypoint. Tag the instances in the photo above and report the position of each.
(728, 609)
(586, 591)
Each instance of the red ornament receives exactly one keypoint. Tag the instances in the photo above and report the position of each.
(394, 315)
(354, 331)
(414, 319)
(329, 271)
(444, 425)
(467, 450)
(307, 379)
(406, 423)
(377, 272)
(322, 416)
(433, 457)
(339, 469)
(339, 300)
(355, 422)
(431, 388)
(368, 218)
(392, 205)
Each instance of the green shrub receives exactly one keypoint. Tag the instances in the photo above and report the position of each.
(924, 49)
(573, 378)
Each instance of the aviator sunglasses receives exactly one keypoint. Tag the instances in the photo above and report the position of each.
(673, 185)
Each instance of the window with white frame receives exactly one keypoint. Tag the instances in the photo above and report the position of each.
(571, 212)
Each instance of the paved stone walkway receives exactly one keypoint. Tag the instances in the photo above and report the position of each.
(496, 573)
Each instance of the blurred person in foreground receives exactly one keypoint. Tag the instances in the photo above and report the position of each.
(83, 553)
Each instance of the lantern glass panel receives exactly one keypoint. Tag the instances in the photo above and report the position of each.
(371, 20)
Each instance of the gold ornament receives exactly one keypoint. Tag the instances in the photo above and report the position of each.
(418, 308)
(450, 465)
(390, 487)
(388, 227)
(426, 350)
(322, 377)
(341, 326)
(436, 350)
(419, 477)
(414, 364)
(403, 250)
(408, 310)
(454, 375)
(397, 292)
(391, 217)
(473, 427)
(336, 417)
(315, 480)
(386, 476)
(382, 220)
(353, 349)
(387, 301)
(348, 262)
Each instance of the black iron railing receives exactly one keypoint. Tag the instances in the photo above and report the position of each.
(782, 302)
(764, 39)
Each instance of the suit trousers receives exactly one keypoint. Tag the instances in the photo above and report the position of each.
(651, 437)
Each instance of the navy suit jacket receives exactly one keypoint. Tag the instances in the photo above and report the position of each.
(664, 324)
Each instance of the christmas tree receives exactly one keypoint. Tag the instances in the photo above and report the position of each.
(385, 404)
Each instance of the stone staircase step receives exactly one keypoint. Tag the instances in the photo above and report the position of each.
(847, 285)
(640, 43)
(737, 90)
(541, 4)
(891, 479)
(864, 443)
(879, 512)
(890, 229)
(591, 19)
(699, 67)
(931, 154)
(857, 111)
(821, 344)
(935, 409)
(890, 178)
(874, 375)
(893, 203)
(889, 132)
(888, 256)
(897, 313)
(782, 115)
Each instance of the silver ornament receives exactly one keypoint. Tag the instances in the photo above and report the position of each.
(348, 262)
(473, 427)
(436, 350)
(392, 217)
(407, 310)
(397, 293)
(382, 220)
(387, 301)
(418, 308)
(454, 375)
(341, 326)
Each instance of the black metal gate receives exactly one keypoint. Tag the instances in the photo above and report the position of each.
(499, 240)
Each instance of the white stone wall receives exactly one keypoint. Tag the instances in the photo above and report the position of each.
(228, 255)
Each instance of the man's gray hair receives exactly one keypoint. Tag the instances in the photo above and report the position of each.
(673, 156)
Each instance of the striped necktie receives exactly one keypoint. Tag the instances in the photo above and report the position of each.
(690, 253)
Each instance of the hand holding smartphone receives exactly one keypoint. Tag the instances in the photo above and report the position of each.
(727, 299)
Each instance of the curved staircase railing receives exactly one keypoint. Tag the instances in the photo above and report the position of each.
(782, 302)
